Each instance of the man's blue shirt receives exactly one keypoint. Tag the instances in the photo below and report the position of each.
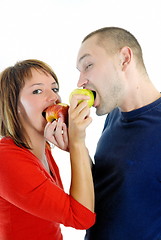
(127, 176)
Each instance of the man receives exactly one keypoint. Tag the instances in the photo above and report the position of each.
(127, 168)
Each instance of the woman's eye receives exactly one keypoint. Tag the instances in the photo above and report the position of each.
(37, 91)
(55, 90)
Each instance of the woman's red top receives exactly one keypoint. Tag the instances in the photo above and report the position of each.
(33, 203)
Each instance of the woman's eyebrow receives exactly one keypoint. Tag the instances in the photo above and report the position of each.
(35, 84)
(54, 83)
(39, 84)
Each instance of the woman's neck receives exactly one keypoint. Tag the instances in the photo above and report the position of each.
(38, 148)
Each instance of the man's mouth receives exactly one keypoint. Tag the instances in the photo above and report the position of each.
(94, 93)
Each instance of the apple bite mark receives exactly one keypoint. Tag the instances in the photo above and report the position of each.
(57, 111)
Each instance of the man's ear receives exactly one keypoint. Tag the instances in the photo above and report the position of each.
(125, 57)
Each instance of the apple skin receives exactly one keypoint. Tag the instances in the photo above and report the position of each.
(59, 110)
(84, 92)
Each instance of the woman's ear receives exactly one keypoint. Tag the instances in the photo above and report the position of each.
(125, 57)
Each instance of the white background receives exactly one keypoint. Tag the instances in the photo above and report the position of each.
(52, 31)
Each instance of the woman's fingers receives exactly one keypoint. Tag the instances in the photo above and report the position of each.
(56, 133)
(61, 136)
(79, 119)
(75, 100)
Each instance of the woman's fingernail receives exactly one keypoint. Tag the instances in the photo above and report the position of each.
(60, 120)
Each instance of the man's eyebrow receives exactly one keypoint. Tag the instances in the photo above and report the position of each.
(85, 55)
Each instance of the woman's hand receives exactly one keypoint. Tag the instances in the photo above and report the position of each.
(56, 133)
(79, 118)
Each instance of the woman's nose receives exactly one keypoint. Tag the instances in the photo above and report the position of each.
(52, 96)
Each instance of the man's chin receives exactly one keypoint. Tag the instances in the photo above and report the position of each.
(100, 111)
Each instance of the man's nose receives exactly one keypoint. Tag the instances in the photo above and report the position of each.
(82, 80)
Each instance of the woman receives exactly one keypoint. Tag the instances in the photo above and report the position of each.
(32, 200)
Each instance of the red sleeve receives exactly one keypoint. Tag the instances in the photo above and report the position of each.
(26, 184)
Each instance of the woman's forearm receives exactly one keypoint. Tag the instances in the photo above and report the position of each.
(81, 188)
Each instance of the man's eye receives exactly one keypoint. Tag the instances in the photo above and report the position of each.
(37, 91)
(55, 90)
(88, 66)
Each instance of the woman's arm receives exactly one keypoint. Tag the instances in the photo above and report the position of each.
(81, 183)
(73, 140)
(26, 184)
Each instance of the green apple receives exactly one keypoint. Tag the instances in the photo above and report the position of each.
(84, 92)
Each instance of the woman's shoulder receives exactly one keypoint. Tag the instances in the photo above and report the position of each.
(7, 143)
(8, 148)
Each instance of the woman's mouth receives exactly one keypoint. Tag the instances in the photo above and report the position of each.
(44, 114)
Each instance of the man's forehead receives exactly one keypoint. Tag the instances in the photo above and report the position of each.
(86, 49)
